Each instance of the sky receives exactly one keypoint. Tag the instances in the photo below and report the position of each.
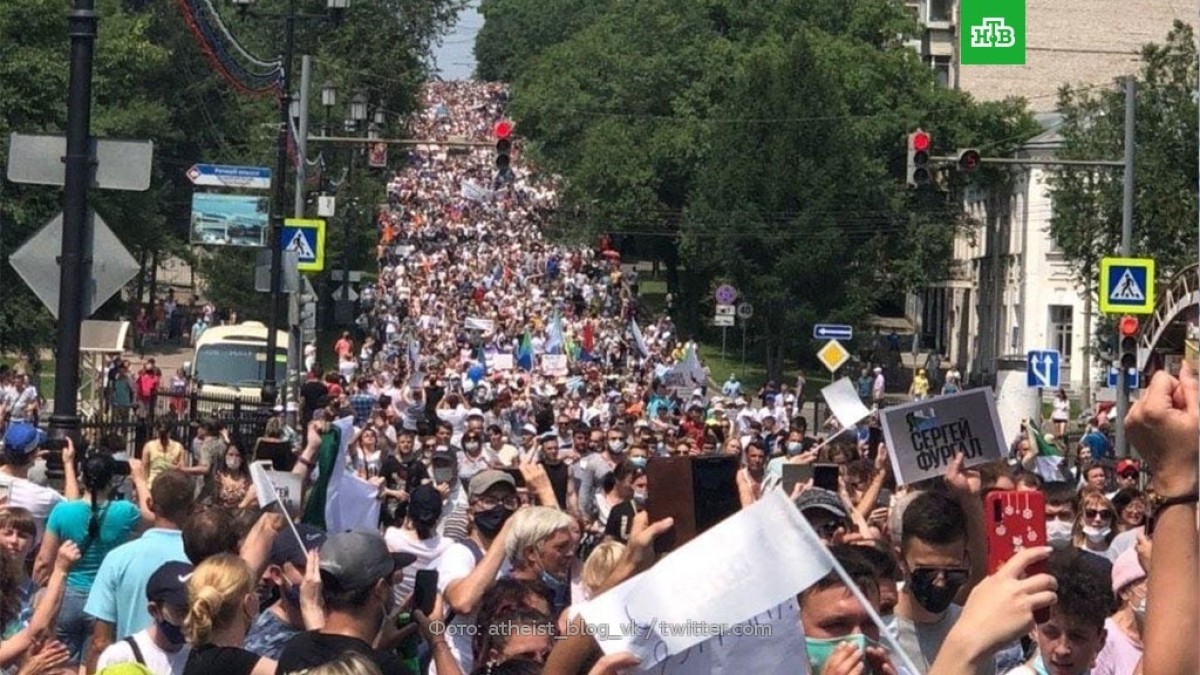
(455, 59)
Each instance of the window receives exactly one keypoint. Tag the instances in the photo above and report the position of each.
(941, 70)
(940, 10)
(1061, 329)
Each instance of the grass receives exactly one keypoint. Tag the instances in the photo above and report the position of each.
(755, 375)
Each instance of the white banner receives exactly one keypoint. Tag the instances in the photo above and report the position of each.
(484, 325)
(554, 365)
(500, 362)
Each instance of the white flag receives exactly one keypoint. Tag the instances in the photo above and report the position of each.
(264, 489)
(638, 340)
(350, 502)
(844, 402)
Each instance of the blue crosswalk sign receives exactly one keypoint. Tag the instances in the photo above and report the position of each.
(1043, 369)
(1127, 285)
(306, 237)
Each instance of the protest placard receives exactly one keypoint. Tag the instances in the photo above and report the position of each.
(922, 437)
(554, 365)
(712, 581)
(500, 362)
(844, 402)
(486, 326)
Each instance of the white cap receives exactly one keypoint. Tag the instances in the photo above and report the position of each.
(740, 401)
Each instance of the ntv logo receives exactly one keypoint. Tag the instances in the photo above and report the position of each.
(993, 32)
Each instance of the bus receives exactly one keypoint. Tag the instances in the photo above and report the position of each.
(231, 360)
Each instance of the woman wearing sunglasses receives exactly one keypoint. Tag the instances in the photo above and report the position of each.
(1094, 526)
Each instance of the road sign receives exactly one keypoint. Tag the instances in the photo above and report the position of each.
(1127, 285)
(832, 331)
(262, 272)
(1043, 368)
(726, 310)
(723, 320)
(355, 275)
(726, 294)
(307, 238)
(112, 265)
(1133, 379)
(327, 206)
(120, 165)
(833, 355)
(351, 294)
(224, 175)
(745, 310)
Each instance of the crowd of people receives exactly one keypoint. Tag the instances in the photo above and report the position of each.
(496, 410)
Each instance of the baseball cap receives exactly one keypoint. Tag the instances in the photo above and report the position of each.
(474, 412)
(168, 584)
(22, 438)
(1127, 466)
(446, 456)
(487, 479)
(425, 504)
(286, 549)
(357, 559)
(529, 429)
(548, 436)
(130, 668)
(820, 498)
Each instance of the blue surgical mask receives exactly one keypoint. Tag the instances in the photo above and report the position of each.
(1039, 666)
(795, 448)
(639, 462)
(820, 649)
(170, 632)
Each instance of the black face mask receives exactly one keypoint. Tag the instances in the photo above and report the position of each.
(491, 521)
(932, 598)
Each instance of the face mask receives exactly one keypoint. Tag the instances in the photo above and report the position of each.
(1039, 666)
(639, 497)
(932, 598)
(470, 447)
(639, 462)
(170, 632)
(1139, 611)
(1096, 535)
(795, 448)
(233, 464)
(616, 447)
(489, 522)
(1058, 533)
(556, 585)
(820, 649)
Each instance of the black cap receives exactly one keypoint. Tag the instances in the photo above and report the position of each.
(286, 549)
(425, 504)
(168, 584)
(447, 456)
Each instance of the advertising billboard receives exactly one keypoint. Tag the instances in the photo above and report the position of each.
(229, 220)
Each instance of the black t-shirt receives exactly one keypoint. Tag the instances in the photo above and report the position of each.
(311, 649)
(620, 521)
(311, 393)
(208, 659)
(559, 474)
(401, 475)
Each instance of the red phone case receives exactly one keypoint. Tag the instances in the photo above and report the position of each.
(1015, 521)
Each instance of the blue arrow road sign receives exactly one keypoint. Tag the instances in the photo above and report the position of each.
(1133, 379)
(1043, 369)
(222, 175)
(832, 331)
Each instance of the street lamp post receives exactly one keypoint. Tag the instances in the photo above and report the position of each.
(358, 115)
(335, 9)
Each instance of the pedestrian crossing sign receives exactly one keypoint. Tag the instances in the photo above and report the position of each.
(307, 238)
(1127, 285)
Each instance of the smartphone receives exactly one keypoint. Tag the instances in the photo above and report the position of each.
(884, 500)
(425, 591)
(825, 476)
(54, 444)
(795, 473)
(442, 475)
(1015, 521)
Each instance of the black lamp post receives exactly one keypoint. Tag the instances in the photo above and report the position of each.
(334, 11)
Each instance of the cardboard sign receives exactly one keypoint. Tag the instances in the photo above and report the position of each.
(554, 365)
(500, 362)
(287, 488)
(924, 436)
(844, 402)
(486, 326)
(715, 582)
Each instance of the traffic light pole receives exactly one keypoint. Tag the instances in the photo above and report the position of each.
(1120, 442)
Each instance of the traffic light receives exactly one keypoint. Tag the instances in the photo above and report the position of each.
(919, 144)
(1127, 329)
(969, 160)
(503, 131)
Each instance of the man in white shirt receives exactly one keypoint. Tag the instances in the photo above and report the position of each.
(161, 647)
(21, 443)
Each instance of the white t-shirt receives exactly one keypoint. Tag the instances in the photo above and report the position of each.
(456, 563)
(428, 551)
(38, 499)
(158, 661)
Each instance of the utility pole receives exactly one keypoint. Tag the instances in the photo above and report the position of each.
(75, 267)
(1121, 443)
(291, 389)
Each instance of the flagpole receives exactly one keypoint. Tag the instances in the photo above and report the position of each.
(878, 620)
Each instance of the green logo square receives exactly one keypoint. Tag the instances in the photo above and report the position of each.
(992, 32)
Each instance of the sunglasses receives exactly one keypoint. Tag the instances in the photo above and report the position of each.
(954, 576)
(1097, 513)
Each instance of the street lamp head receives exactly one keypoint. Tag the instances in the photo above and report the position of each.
(380, 117)
(294, 107)
(337, 5)
(373, 131)
(329, 94)
(358, 107)
(242, 3)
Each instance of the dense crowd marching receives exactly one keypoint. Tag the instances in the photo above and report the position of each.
(501, 399)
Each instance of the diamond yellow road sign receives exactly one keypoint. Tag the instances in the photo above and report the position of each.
(833, 355)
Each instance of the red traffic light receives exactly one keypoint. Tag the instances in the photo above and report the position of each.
(1128, 326)
(920, 141)
(503, 129)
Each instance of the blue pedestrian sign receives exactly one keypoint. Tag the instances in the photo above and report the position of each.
(1133, 379)
(1043, 368)
(1127, 285)
(307, 238)
(222, 175)
(832, 331)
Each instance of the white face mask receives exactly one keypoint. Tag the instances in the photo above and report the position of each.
(1058, 533)
(1096, 535)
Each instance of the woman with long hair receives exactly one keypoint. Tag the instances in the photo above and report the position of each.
(1061, 414)
(222, 605)
(228, 482)
(1094, 530)
(97, 525)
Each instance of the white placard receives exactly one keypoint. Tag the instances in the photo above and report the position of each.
(500, 362)
(844, 402)
(554, 365)
(922, 437)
